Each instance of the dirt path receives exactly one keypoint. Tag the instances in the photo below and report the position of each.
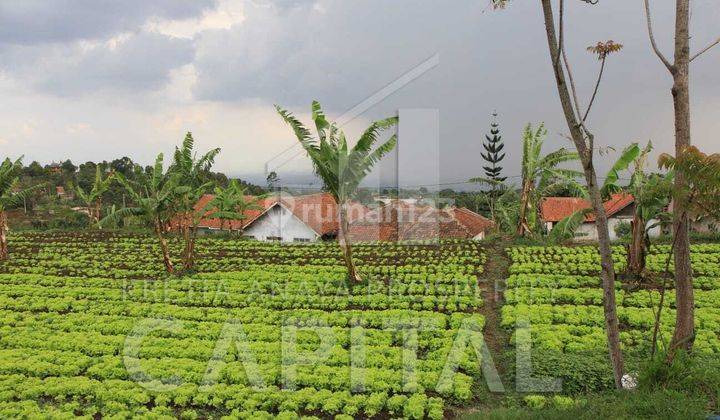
(491, 282)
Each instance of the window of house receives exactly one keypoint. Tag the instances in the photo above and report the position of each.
(274, 238)
(301, 240)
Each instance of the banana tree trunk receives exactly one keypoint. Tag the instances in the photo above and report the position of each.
(637, 251)
(523, 225)
(96, 213)
(164, 248)
(346, 246)
(3, 236)
(189, 234)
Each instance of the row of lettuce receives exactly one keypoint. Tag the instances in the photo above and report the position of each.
(127, 256)
(557, 291)
(403, 344)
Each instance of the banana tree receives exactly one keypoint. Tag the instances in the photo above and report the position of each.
(340, 166)
(652, 196)
(153, 198)
(230, 203)
(490, 197)
(507, 211)
(93, 198)
(542, 177)
(565, 229)
(194, 182)
(10, 195)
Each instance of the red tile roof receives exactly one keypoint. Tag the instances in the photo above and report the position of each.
(319, 211)
(216, 223)
(397, 221)
(474, 222)
(403, 221)
(554, 209)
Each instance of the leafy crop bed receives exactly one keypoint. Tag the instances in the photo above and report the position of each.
(558, 290)
(90, 327)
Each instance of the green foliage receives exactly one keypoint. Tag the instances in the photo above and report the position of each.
(623, 229)
(192, 175)
(611, 405)
(494, 152)
(93, 198)
(542, 176)
(11, 194)
(340, 166)
(701, 198)
(231, 203)
(535, 401)
(627, 158)
(152, 197)
(69, 301)
(565, 229)
(557, 289)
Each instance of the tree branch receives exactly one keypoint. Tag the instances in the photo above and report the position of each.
(561, 46)
(660, 55)
(575, 101)
(597, 86)
(704, 50)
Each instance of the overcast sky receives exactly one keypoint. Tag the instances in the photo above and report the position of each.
(94, 80)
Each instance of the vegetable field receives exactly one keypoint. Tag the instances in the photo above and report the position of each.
(90, 327)
(558, 291)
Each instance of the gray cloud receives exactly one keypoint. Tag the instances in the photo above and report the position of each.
(341, 51)
(140, 63)
(334, 51)
(37, 21)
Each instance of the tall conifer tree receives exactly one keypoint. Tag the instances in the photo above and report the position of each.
(493, 155)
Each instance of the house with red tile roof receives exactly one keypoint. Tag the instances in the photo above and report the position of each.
(312, 217)
(286, 218)
(620, 208)
(401, 221)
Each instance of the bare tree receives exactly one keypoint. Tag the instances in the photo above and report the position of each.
(684, 335)
(584, 142)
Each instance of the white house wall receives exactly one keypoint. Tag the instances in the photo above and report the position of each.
(279, 222)
(588, 232)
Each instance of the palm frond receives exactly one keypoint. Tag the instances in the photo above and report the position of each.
(157, 173)
(116, 216)
(627, 157)
(321, 123)
(557, 157)
(566, 228)
(303, 134)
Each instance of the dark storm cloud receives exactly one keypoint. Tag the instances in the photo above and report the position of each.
(39, 21)
(342, 51)
(140, 63)
(338, 52)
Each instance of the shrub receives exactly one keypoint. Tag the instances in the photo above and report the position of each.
(623, 230)
(535, 401)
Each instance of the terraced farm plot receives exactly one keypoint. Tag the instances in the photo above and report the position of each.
(558, 290)
(91, 327)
